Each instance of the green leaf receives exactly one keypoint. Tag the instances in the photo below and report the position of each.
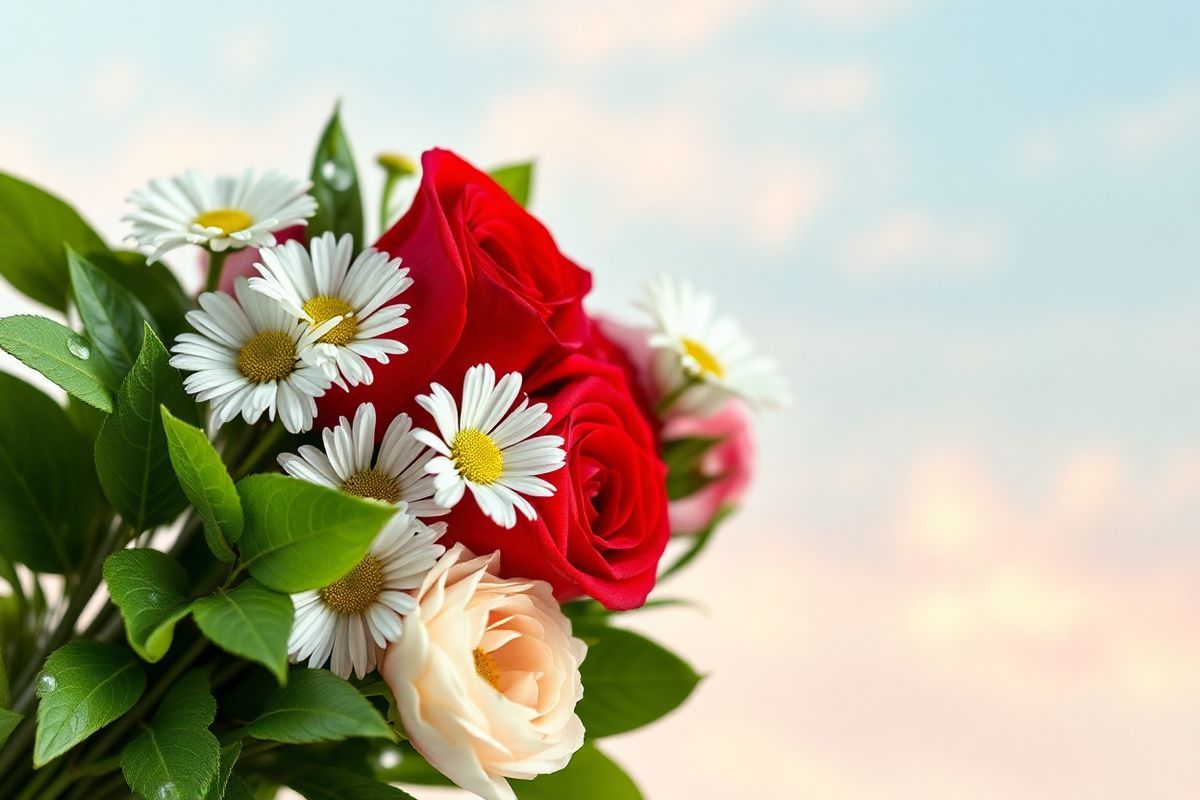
(412, 768)
(317, 706)
(131, 450)
(206, 483)
(112, 316)
(516, 179)
(335, 185)
(250, 621)
(229, 757)
(3, 681)
(62, 355)
(177, 756)
(590, 775)
(237, 789)
(302, 536)
(630, 682)
(83, 686)
(9, 720)
(153, 284)
(48, 491)
(685, 465)
(34, 226)
(151, 589)
(330, 783)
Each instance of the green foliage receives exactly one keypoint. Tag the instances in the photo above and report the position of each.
(629, 682)
(131, 450)
(9, 720)
(250, 621)
(112, 316)
(516, 179)
(685, 459)
(176, 756)
(302, 536)
(63, 356)
(83, 686)
(154, 285)
(206, 483)
(317, 706)
(330, 783)
(412, 768)
(591, 775)
(48, 491)
(151, 589)
(34, 226)
(335, 185)
(229, 756)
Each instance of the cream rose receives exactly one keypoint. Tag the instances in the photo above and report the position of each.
(486, 676)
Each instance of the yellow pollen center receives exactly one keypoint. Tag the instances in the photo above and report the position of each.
(267, 356)
(357, 590)
(707, 361)
(477, 457)
(323, 308)
(485, 667)
(229, 220)
(373, 483)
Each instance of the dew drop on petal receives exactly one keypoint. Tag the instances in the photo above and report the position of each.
(337, 175)
(79, 347)
(46, 683)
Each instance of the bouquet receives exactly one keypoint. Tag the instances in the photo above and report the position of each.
(355, 516)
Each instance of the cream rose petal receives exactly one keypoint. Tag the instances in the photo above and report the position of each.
(486, 677)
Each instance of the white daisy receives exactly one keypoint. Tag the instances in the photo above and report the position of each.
(701, 358)
(321, 283)
(248, 357)
(228, 213)
(349, 464)
(350, 621)
(487, 449)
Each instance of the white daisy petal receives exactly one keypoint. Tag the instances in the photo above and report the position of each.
(348, 622)
(701, 358)
(490, 448)
(228, 213)
(322, 284)
(244, 360)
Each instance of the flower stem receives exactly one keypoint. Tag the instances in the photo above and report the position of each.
(216, 263)
(671, 398)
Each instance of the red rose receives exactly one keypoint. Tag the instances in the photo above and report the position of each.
(489, 285)
(604, 530)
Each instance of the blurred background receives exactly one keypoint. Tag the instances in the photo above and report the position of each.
(969, 567)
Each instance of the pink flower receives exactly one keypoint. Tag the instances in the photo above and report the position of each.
(730, 461)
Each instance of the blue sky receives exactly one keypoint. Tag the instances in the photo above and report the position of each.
(968, 230)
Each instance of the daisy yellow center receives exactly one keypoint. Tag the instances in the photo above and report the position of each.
(477, 457)
(357, 590)
(229, 220)
(707, 361)
(373, 483)
(485, 667)
(323, 308)
(267, 356)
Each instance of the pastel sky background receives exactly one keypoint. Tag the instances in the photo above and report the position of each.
(970, 566)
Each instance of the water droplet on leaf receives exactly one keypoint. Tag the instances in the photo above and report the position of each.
(168, 791)
(337, 175)
(79, 347)
(46, 683)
